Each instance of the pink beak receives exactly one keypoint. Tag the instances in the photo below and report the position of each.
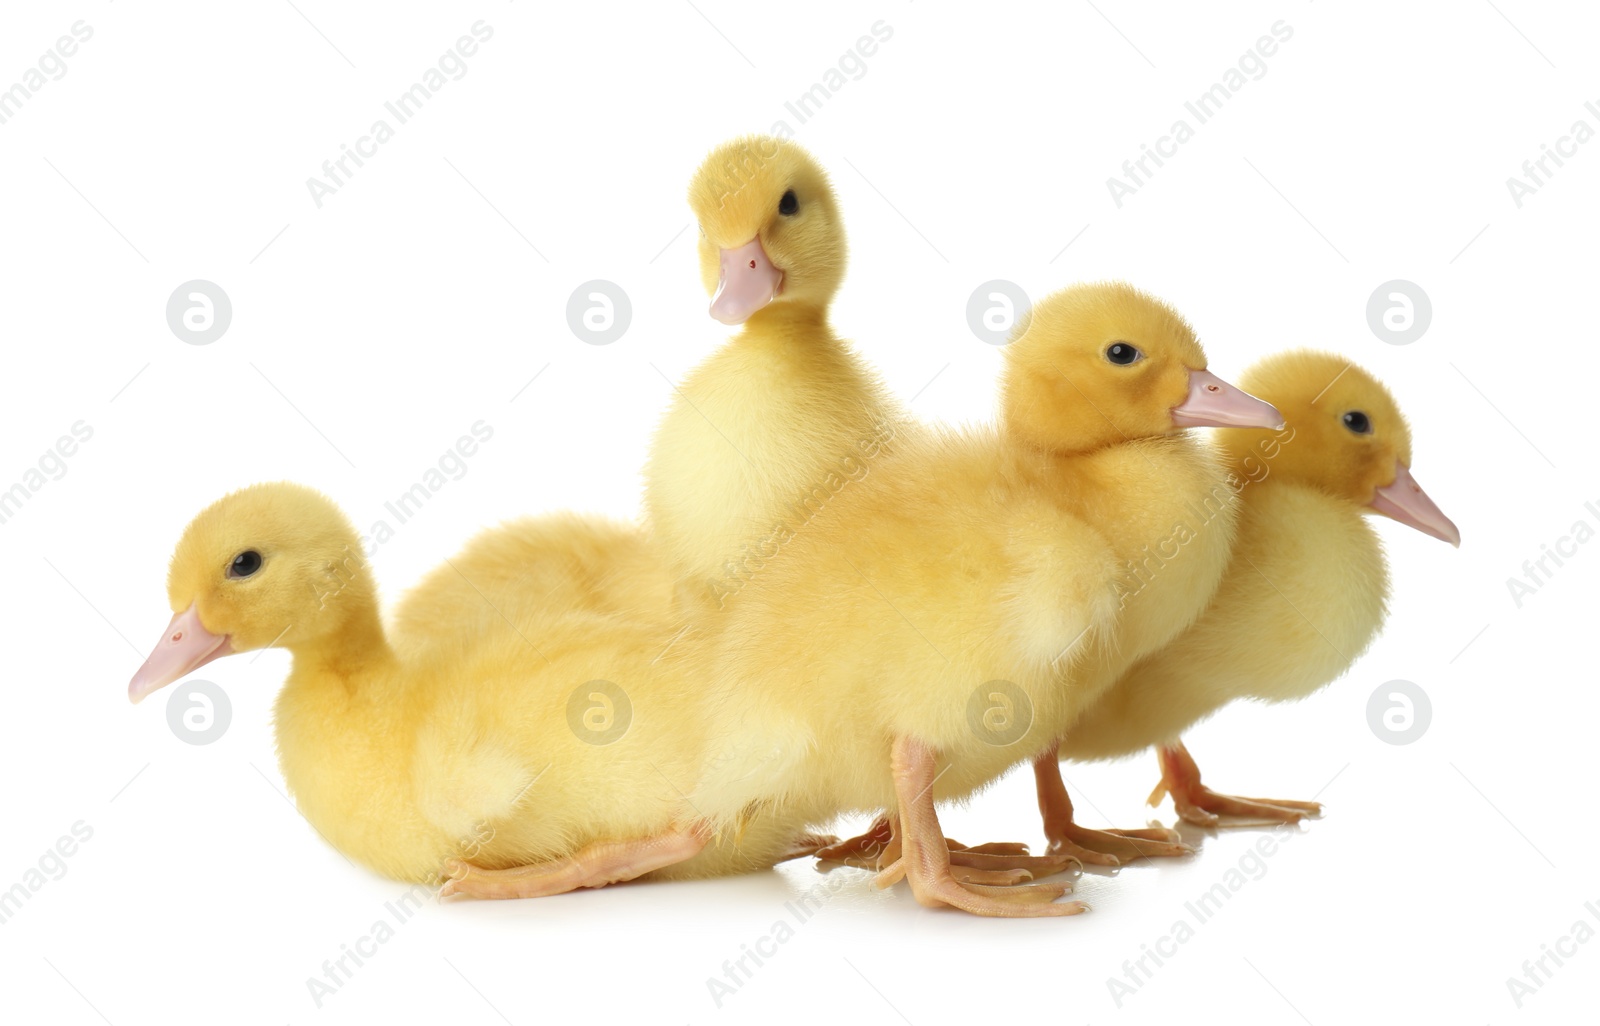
(748, 283)
(185, 648)
(1213, 402)
(1405, 501)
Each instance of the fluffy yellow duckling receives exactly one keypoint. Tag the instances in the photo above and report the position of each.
(551, 757)
(950, 614)
(1306, 590)
(762, 433)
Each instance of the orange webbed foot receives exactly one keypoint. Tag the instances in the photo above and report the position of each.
(928, 863)
(1093, 847)
(596, 865)
(1198, 804)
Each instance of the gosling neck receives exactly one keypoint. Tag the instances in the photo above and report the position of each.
(1247, 452)
(354, 657)
(786, 317)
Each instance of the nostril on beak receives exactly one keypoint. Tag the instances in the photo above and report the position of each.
(178, 636)
(752, 265)
(1213, 388)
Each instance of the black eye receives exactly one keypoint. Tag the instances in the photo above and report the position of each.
(789, 206)
(1122, 354)
(245, 563)
(1357, 421)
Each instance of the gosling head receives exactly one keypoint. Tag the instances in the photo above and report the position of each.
(272, 564)
(1094, 365)
(770, 233)
(1350, 438)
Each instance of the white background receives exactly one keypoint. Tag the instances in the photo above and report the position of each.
(421, 297)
